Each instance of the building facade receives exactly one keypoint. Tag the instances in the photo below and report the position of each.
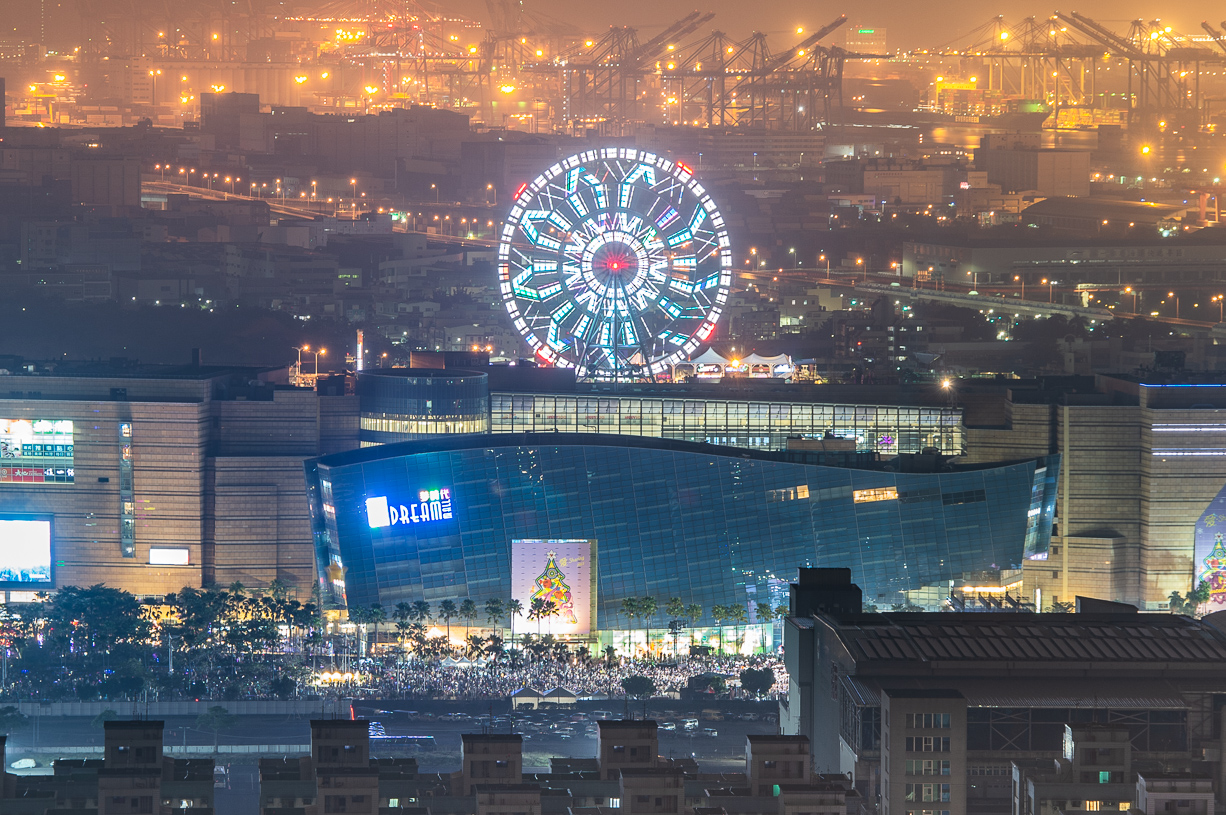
(441, 519)
(154, 478)
(960, 712)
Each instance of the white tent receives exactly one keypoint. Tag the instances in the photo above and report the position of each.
(709, 357)
(779, 365)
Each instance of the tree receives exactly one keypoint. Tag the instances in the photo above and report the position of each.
(719, 613)
(539, 609)
(447, 609)
(630, 607)
(738, 615)
(421, 612)
(514, 609)
(11, 718)
(675, 609)
(402, 614)
(647, 610)
(1061, 608)
(495, 610)
(278, 589)
(468, 613)
(757, 681)
(639, 687)
(102, 718)
(216, 719)
(376, 616)
(783, 612)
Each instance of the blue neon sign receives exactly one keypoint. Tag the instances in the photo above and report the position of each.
(431, 505)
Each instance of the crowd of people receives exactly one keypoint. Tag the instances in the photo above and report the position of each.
(585, 678)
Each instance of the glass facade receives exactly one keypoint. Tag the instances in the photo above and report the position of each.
(707, 524)
(402, 404)
(882, 429)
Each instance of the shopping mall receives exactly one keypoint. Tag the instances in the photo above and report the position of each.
(591, 519)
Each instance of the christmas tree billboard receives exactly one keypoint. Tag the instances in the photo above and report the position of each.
(560, 575)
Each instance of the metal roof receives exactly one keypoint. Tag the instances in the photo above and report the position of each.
(1093, 638)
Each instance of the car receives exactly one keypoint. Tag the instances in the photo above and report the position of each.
(710, 732)
(689, 724)
(668, 726)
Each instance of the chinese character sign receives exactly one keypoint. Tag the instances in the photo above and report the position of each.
(562, 575)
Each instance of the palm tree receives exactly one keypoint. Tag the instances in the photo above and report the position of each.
(377, 615)
(359, 617)
(693, 613)
(719, 614)
(630, 607)
(675, 609)
(538, 609)
(739, 615)
(447, 610)
(402, 614)
(468, 613)
(514, 609)
(493, 646)
(421, 612)
(647, 609)
(495, 610)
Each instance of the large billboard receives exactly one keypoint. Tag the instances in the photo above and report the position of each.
(1209, 563)
(25, 552)
(562, 574)
(36, 451)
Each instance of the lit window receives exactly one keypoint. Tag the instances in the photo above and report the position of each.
(880, 494)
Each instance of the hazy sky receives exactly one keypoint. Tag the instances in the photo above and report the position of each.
(909, 24)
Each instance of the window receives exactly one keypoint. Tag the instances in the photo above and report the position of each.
(927, 767)
(868, 496)
(770, 765)
(501, 763)
(1104, 777)
(619, 748)
(928, 721)
(927, 744)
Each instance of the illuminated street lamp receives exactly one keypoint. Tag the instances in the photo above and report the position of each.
(1019, 279)
(1172, 294)
(1133, 292)
(435, 188)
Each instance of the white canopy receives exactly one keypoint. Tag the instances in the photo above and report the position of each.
(709, 357)
(778, 359)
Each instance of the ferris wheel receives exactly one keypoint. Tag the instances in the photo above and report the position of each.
(614, 261)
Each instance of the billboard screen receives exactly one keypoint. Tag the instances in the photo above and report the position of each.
(36, 451)
(562, 573)
(25, 552)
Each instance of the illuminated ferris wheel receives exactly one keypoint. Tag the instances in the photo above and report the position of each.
(614, 261)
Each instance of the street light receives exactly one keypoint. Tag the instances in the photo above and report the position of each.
(1172, 294)
(1018, 278)
(1050, 284)
(435, 188)
(353, 196)
(822, 257)
(1133, 292)
(494, 193)
(1221, 312)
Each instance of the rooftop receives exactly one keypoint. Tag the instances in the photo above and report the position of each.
(935, 639)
